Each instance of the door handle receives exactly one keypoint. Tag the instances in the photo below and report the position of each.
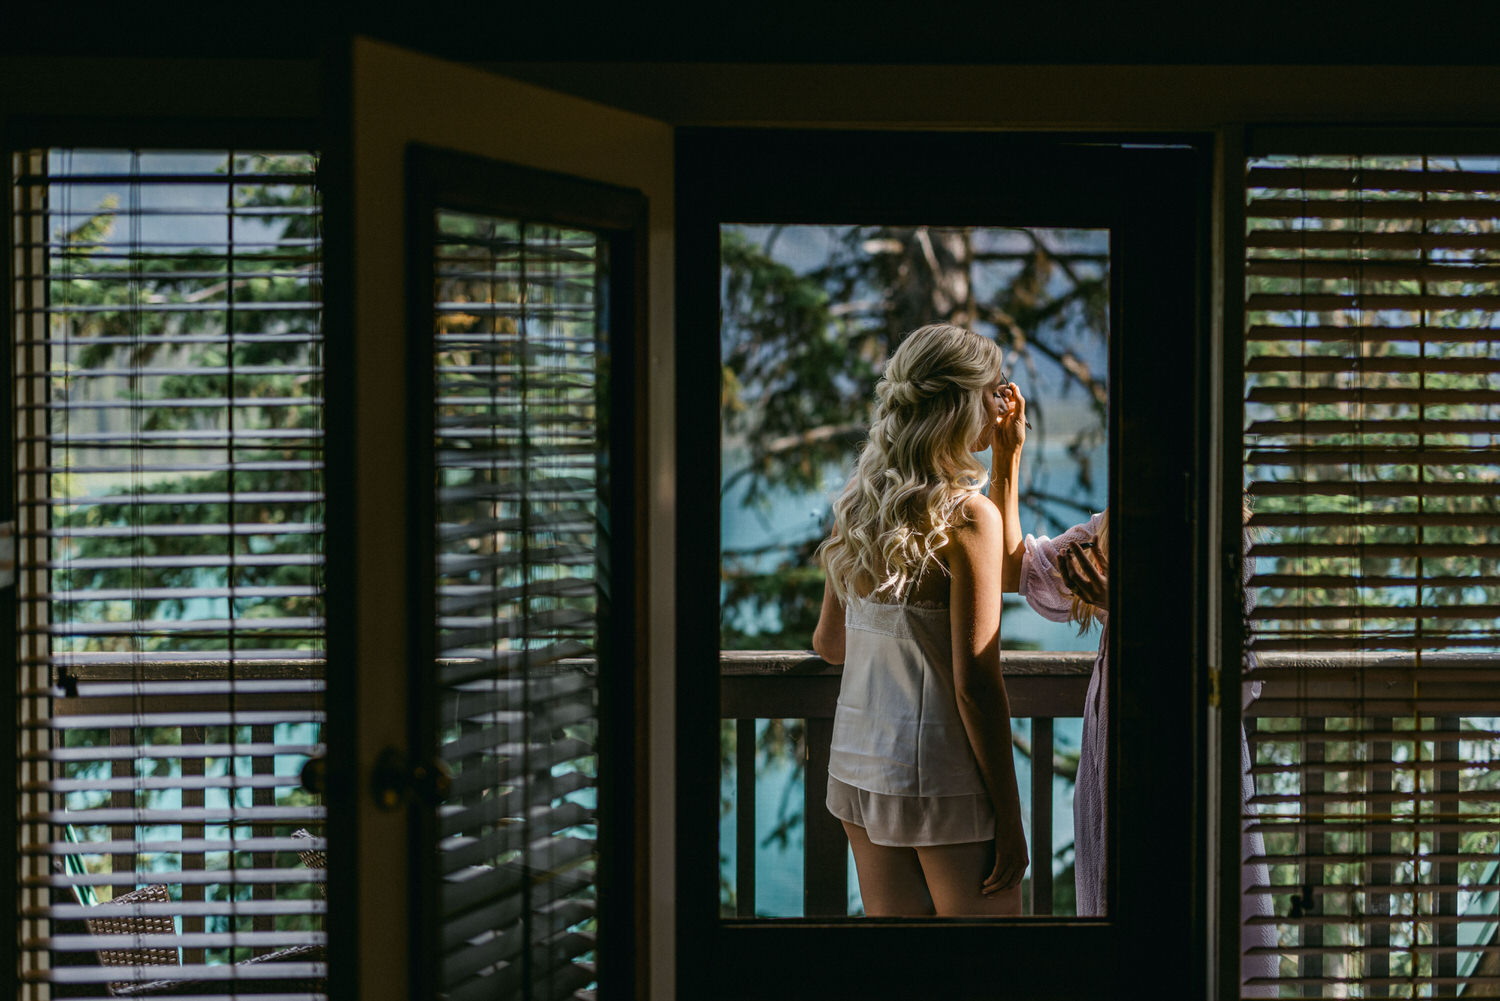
(314, 775)
(397, 781)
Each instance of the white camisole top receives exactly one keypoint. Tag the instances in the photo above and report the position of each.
(896, 729)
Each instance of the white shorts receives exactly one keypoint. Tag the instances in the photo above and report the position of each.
(913, 821)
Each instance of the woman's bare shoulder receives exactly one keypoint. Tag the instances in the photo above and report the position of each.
(977, 514)
(979, 527)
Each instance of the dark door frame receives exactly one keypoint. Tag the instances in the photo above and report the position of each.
(444, 179)
(1154, 194)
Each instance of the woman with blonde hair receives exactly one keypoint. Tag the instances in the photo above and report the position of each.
(920, 770)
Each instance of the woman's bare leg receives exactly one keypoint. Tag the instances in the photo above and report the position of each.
(890, 879)
(953, 874)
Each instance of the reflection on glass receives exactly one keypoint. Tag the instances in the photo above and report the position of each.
(520, 584)
(810, 315)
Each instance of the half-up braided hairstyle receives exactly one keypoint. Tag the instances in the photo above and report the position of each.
(916, 470)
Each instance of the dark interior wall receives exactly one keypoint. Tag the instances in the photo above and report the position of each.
(960, 64)
(1069, 97)
(811, 31)
(73, 86)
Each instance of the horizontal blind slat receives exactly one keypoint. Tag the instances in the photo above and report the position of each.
(1403, 519)
(1367, 334)
(1401, 425)
(1296, 825)
(1356, 920)
(299, 815)
(95, 754)
(1347, 241)
(463, 852)
(230, 940)
(224, 972)
(1351, 486)
(182, 782)
(460, 667)
(1360, 366)
(186, 908)
(199, 877)
(193, 845)
(1329, 178)
(1273, 302)
(1373, 208)
(1387, 455)
(1409, 397)
(1373, 271)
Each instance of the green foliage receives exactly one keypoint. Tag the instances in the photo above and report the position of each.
(789, 594)
(142, 326)
(1306, 402)
(795, 382)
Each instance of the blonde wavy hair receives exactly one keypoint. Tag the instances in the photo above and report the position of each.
(1081, 612)
(915, 471)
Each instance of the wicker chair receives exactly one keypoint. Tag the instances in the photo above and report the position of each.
(313, 858)
(119, 917)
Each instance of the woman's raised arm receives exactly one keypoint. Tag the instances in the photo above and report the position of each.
(1009, 437)
(983, 705)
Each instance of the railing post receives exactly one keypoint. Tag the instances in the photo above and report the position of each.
(825, 874)
(1378, 899)
(1041, 815)
(1310, 966)
(262, 764)
(193, 767)
(1446, 843)
(121, 799)
(744, 818)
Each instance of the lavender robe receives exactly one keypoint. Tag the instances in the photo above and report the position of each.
(1042, 586)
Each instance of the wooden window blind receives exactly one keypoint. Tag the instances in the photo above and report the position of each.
(169, 460)
(522, 581)
(1372, 410)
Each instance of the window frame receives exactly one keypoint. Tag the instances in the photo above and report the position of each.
(1158, 287)
(23, 132)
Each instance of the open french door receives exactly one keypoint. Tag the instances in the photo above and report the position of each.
(506, 275)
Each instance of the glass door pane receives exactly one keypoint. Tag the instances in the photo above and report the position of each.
(521, 582)
(810, 317)
(520, 770)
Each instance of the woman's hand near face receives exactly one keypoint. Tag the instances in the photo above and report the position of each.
(1010, 426)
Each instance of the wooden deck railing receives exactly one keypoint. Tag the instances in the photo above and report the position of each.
(136, 701)
(794, 684)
